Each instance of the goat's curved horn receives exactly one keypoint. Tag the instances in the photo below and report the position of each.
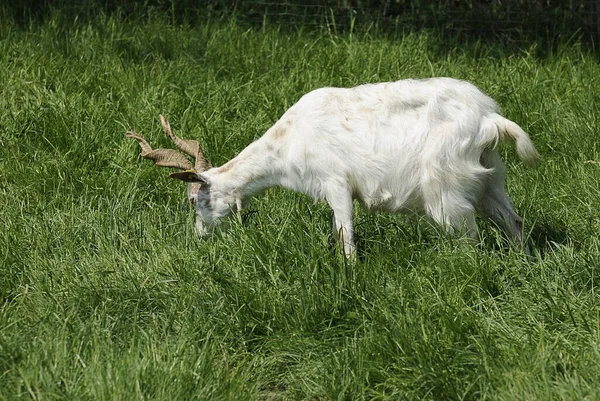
(188, 146)
(161, 157)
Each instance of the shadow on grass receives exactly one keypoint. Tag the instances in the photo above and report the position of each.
(547, 234)
(544, 29)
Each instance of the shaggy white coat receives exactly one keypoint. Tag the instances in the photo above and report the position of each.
(425, 146)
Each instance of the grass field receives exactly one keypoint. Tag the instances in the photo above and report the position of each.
(106, 294)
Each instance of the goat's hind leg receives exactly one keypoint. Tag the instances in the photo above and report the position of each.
(457, 217)
(446, 203)
(495, 203)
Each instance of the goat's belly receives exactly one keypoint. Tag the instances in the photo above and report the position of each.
(394, 200)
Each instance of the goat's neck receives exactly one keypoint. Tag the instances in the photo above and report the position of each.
(255, 169)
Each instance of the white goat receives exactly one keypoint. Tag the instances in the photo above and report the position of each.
(426, 146)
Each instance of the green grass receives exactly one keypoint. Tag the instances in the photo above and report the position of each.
(105, 293)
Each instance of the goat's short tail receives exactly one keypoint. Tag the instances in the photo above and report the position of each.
(508, 129)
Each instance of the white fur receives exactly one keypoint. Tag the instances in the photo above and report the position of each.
(426, 146)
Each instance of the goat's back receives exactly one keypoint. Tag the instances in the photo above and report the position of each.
(386, 141)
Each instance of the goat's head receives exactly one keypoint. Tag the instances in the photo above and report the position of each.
(208, 211)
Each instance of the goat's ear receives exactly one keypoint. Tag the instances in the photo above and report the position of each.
(189, 176)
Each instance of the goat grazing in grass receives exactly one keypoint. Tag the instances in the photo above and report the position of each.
(424, 146)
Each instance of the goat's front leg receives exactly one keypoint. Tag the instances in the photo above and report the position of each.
(340, 201)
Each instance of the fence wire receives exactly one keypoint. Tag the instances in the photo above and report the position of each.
(512, 20)
(508, 19)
